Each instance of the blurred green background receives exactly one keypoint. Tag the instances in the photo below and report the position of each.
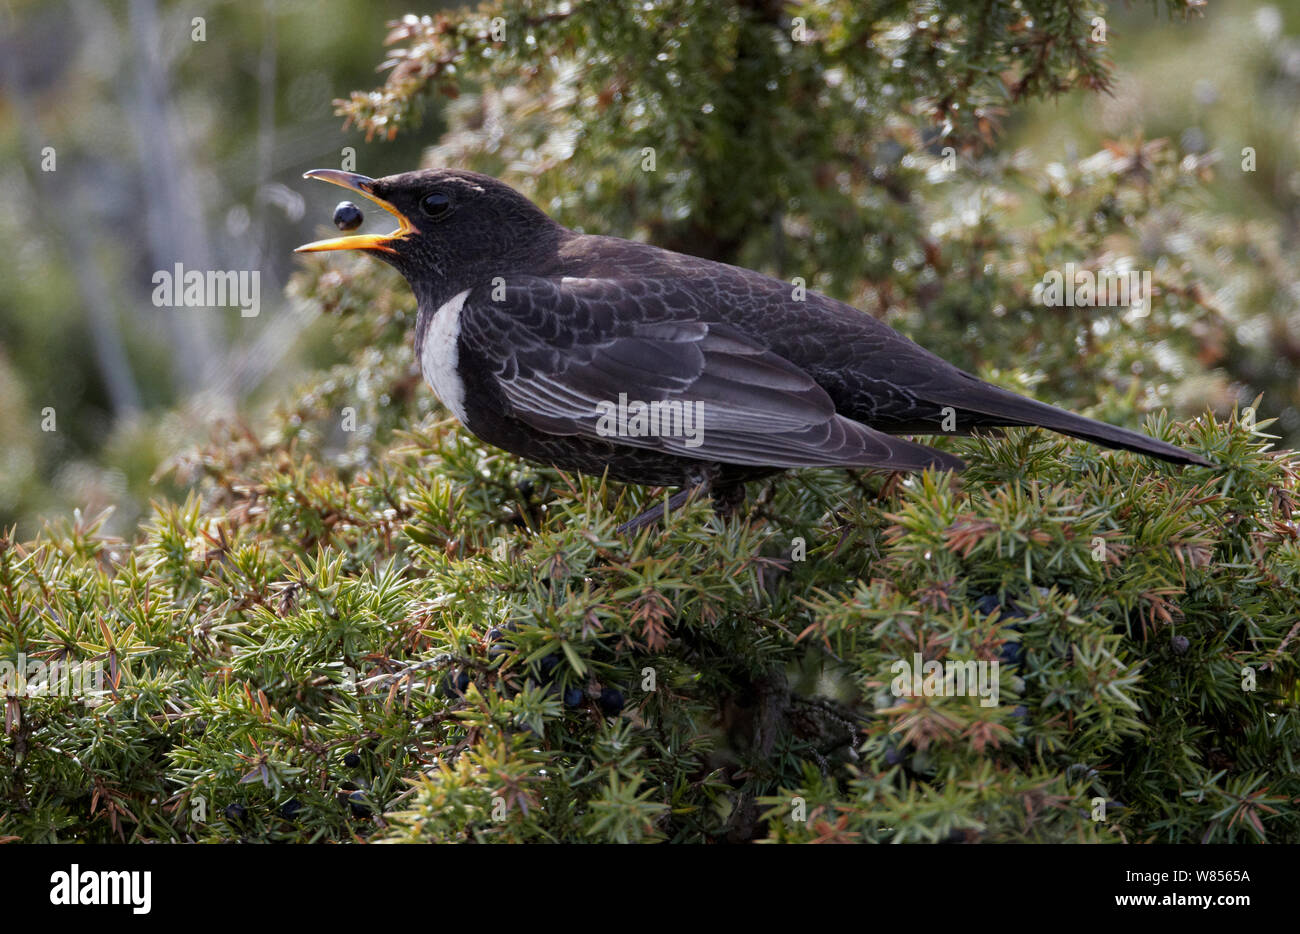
(173, 150)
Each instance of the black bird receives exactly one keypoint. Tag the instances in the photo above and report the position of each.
(532, 335)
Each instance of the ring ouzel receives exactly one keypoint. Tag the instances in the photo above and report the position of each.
(598, 354)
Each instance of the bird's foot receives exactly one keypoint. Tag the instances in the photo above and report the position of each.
(659, 513)
(728, 499)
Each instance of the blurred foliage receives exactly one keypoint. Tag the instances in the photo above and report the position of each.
(362, 624)
(239, 116)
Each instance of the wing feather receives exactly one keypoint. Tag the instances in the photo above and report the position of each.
(575, 349)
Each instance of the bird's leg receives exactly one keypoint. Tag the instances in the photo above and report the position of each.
(656, 514)
(727, 499)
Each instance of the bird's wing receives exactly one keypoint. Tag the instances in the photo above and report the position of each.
(631, 362)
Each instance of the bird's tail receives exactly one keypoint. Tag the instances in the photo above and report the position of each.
(1011, 409)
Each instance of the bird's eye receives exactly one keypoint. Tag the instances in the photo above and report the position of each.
(435, 205)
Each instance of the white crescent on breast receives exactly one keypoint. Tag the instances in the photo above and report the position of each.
(439, 355)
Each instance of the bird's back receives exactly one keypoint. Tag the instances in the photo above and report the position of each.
(871, 372)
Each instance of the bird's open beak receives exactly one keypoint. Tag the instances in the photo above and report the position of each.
(362, 185)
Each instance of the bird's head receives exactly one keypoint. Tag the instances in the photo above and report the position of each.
(454, 228)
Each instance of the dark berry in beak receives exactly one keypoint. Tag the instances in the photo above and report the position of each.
(347, 216)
